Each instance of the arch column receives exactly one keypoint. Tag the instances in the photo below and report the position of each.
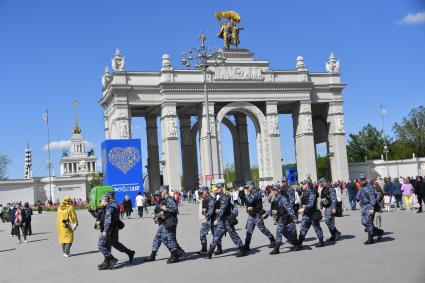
(265, 158)
(304, 141)
(170, 145)
(188, 151)
(153, 153)
(337, 149)
(243, 149)
(119, 120)
(209, 173)
(274, 136)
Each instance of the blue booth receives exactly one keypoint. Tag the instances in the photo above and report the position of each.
(122, 167)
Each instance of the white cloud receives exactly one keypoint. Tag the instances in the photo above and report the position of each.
(413, 19)
(65, 144)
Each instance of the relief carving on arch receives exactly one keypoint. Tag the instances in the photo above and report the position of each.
(273, 125)
(172, 128)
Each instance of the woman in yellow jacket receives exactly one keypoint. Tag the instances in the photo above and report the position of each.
(66, 224)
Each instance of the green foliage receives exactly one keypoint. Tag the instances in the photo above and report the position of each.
(368, 143)
(323, 169)
(255, 175)
(411, 131)
(4, 164)
(95, 179)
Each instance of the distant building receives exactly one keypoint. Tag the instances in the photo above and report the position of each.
(79, 161)
(73, 181)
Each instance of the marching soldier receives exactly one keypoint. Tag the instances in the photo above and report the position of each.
(328, 201)
(254, 207)
(110, 224)
(165, 215)
(311, 215)
(282, 212)
(207, 223)
(225, 222)
(367, 198)
(290, 191)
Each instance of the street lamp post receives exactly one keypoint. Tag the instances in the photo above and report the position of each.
(46, 119)
(386, 159)
(205, 57)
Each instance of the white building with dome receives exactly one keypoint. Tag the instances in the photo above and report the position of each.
(78, 161)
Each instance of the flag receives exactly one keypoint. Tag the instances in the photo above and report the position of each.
(46, 117)
(383, 111)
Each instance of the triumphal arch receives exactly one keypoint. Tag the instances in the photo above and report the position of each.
(239, 86)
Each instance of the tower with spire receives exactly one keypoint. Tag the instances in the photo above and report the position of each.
(78, 161)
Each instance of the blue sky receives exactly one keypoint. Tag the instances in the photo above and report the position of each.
(55, 51)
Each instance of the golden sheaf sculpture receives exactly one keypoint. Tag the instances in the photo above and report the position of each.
(228, 15)
(229, 30)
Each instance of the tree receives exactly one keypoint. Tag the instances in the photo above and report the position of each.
(4, 164)
(411, 131)
(369, 142)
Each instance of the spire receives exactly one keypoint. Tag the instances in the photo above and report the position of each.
(76, 129)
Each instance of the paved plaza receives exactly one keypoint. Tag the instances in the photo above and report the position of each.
(399, 257)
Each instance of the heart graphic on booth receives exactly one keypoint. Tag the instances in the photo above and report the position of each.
(124, 158)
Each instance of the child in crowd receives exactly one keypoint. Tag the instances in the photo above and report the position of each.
(387, 202)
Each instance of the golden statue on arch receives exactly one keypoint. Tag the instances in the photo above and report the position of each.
(229, 30)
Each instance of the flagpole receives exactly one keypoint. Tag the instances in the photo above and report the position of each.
(49, 162)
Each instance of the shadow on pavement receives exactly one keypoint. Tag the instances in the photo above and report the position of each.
(85, 253)
(40, 233)
(385, 239)
(346, 237)
(39, 240)
(7, 250)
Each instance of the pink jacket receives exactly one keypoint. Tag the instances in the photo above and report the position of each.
(407, 189)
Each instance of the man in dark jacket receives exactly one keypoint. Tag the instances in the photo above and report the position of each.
(352, 191)
(397, 192)
(11, 212)
(420, 191)
(388, 187)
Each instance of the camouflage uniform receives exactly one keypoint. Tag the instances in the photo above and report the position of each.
(223, 211)
(208, 205)
(254, 205)
(368, 199)
(164, 235)
(309, 200)
(329, 216)
(110, 228)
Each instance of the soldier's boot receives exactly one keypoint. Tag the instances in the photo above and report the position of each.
(320, 244)
(369, 239)
(272, 242)
(203, 250)
(242, 252)
(246, 245)
(104, 264)
(379, 234)
(112, 262)
(130, 254)
(298, 244)
(210, 252)
(219, 250)
(180, 251)
(332, 238)
(174, 257)
(337, 234)
(275, 251)
(151, 257)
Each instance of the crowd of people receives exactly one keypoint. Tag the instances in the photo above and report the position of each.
(305, 203)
